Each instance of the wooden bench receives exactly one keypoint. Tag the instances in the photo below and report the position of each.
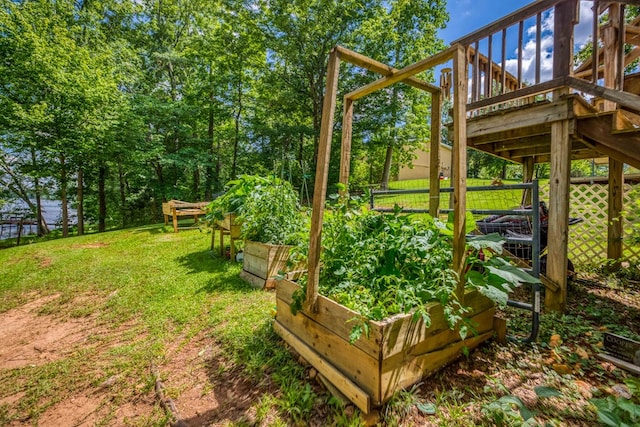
(178, 208)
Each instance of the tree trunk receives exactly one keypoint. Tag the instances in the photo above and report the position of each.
(386, 171)
(80, 207)
(63, 196)
(102, 198)
(43, 228)
(236, 141)
(123, 195)
(212, 178)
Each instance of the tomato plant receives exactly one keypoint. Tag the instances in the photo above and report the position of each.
(384, 264)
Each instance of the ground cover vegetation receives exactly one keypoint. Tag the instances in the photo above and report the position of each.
(177, 307)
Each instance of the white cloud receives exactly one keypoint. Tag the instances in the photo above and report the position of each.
(582, 34)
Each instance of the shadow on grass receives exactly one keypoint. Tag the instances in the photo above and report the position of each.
(616, 309)
(224, 274)
(158, 228)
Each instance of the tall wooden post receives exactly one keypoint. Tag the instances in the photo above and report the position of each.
(558, 232)
(616, 195)
(613, 75)
(459, 164)
(322, 175)
(527, 176)
(434, 154)
(345, 156)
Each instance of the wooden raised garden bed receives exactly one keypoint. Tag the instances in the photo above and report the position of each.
(397, 353)
(262, 262)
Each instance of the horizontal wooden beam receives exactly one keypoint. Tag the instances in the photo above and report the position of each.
(511, 120)
(625, 99)
(365, 62)
(403, 74)
(518, 94)
(596, 132)
(511, 135)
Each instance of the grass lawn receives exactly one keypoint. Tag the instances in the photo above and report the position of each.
(85, 322)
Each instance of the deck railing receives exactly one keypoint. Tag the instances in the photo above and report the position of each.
(541, 36)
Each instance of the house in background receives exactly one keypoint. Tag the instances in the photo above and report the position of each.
(420, 165)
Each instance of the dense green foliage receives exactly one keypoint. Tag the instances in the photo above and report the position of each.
(118, 106)
(384, 264)
(267, 208)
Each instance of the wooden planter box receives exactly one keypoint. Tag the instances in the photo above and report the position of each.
(397, 353)
(262, 262)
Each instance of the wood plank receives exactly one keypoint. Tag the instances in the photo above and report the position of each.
(510, 137)
(255, 281)
(610, 50)
(354, 363)
(596, 132)
(401, 332)
(335, 317)
(620, 363)
(340, 381)
(322, 175)
(434, 154)
(626, 99)
(614, 210)
(459, 165)
(537, 115)
(514, 95)
(558, 214)
(403, 74)
(345, 151)
(365, 62)
(401, 374)
(438, 339)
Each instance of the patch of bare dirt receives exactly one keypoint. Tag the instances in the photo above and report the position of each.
(30, 339)
(207, 389)
(95, 245)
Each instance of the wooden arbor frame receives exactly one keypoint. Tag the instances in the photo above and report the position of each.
(391, 75)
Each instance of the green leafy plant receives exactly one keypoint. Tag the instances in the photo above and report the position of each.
(620, 411)
(384, 264)
(510, 410)
(267, 208)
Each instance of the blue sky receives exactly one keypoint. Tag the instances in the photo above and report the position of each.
(466, 16)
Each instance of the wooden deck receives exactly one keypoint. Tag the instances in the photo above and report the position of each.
(524, 131)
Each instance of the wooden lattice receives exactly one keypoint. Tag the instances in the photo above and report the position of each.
(588, 239)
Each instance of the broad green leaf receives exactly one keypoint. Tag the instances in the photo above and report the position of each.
(543, 391)
(495, 294)
(609, 418)
(426, 408)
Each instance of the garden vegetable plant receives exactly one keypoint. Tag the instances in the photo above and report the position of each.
(384, 264)
(268, 209)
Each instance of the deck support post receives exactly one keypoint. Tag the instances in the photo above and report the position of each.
(613, 70)
(559, 180)
(459, 164)
(558, 231)
(614, 225)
